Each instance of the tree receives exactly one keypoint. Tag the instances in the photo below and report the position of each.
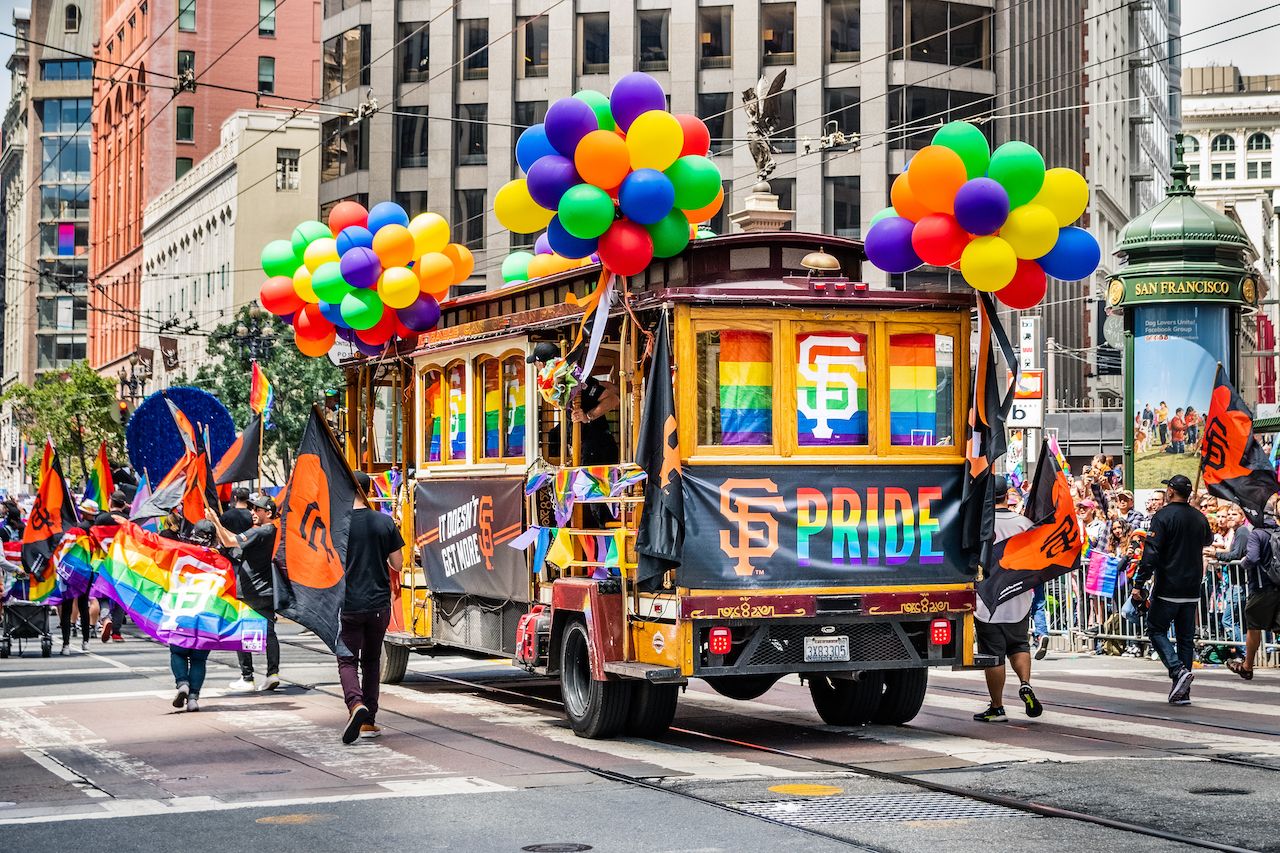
(77, 409)
(298, 381)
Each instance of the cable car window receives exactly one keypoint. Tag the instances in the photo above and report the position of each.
(921, 389)
(489, 379)
(455, 376)
(735, 388)
(513, 405)
(433, 399)
(831, 388)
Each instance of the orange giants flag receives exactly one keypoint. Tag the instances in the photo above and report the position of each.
(53, 513)
(1232, 462)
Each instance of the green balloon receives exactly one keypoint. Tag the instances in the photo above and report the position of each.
(328, 283)
(599, 103)
(1018, 168)
(278, 258)
(585, 211)
(670, 234)
(882, 214)
(696, 179)
(362, 309)
(966, 140)
(516, 266)
(306, 232)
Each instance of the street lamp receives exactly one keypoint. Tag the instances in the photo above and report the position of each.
(256, 334)
(133, 382)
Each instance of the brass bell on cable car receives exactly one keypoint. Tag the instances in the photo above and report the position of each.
(821, 263)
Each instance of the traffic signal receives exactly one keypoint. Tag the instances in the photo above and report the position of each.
(122, 412)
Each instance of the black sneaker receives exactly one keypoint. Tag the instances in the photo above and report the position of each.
(994, 714)
(1042, 647)
(359, 716)
(1028, 697)
(1180, 693)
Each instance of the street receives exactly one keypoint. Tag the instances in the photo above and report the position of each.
(475, 756)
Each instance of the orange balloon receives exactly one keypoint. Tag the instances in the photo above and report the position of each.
(542, 265)
(935, 176)
(393, 244)
(315, 347)
(464, 263)
(905, 202)
(435, 273)
(601, 159)
(704, 214)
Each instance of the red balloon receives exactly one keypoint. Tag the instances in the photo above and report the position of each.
(347, 213)
(382, 332)
(310, 324)
(626, 248)
(279, 297)
(938, 239)
(1027, 287)
(697, 139)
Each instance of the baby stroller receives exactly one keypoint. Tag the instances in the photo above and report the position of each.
(22, 620)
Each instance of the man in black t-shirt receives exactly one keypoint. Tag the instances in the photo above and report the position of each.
(255, 586)
(238, 519)
(373, 552)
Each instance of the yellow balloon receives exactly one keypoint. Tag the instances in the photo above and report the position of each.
(1031, 230)
(398, 287)
(302, 286)
(654, 140)
(320, 251)
(988, 263)
(517, 211)
(1066, 193)
(430, 233)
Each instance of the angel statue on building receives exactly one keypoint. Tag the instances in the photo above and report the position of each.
(762, 108)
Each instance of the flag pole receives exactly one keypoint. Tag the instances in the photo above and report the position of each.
(1195, 487)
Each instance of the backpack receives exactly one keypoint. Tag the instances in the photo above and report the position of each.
(1271, 568)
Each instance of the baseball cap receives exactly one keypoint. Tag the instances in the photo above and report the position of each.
(362, 480)
(89, 505)
(263, 502)
(544, 351)
(1002, 484)
(1126, 494)
(1179, 484)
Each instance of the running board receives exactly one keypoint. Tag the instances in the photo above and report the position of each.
(645, 672)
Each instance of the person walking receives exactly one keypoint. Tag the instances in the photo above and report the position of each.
(373, 551)
(188, 665)
(1174, 556)
(254, 583)
(1262, 589)
(1003, 632)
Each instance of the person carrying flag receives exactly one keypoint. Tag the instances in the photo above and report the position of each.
(254, 585)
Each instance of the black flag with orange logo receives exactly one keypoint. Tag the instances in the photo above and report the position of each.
(53, 512)
(1050, 549)
(240, 462)
(1232, 462)
(311, 547)
(660, 538)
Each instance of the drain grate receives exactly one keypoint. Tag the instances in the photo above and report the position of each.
(931, 805)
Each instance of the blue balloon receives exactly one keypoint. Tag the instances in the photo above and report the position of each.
(387, 213)
(982, 206)
(565, 244)
(646, 196)
(1075, 256)
(332, 312)
(352, 236)
(550, 178)
(888, 245)
(532, 145)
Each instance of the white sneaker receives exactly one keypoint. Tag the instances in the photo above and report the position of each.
(193, 704)
(272, 682)
(184, 692)
(242, 685)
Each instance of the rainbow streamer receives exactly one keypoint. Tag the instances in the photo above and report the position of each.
(457, 413)
(261, 394)
(913, 389)
(492, 412)
(100, 484)
(435, 414)
(513, 391)
(831, 389)
(746, 388)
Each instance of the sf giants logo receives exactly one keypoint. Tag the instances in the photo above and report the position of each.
(829, 386)
(485, 522)
(1063, 539)
(754, 531)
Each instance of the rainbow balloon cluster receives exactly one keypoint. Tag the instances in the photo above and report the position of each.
(619, 177)
(368, 277)
(997, 216)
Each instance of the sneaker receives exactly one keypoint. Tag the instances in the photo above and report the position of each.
(117, 638)
(1042, 648)
(242, 685)
(370, 730)
(66, 649)
(272, 682)
(105, 633)
(84, 645)
(1180, 693)
(993, 714)
(1028, 697)
(357, 719)
(184, 691)
(193, 703)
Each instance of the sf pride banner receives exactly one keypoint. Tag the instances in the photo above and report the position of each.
(802, 525)
(462, 527)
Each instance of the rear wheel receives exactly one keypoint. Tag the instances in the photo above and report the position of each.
(596, 709)
(395, 661)
(742, 686)
(846, 702)
(46, 648)
(653, 707)
(5, 649)
(904, 691)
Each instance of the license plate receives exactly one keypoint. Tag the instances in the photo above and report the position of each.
(826, 649)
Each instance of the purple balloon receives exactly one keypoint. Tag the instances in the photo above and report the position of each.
(565, 244)
(982, 206)
(595, 258)
(550, 178)
(634, 95)
(888, 245)
(352, 236)
(366, 348)
(543, 244)
(646, 196)
(360, 267)
(347, 335)
(422, 315)
(567, 122)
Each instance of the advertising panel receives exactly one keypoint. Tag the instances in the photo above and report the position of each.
(462, 528)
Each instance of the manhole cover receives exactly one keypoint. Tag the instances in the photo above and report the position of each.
(265, 772)
(560, 847)
(930, 805)
(1219, 792)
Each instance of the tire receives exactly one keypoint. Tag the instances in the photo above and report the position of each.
(904, 691)
(395, 660)
(743, 687)
(596, 709)
(841, 702)
(652, 708)
(5, 649)
(46, 648)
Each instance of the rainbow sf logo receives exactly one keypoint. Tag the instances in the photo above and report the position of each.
(753, 532)
(832, 394)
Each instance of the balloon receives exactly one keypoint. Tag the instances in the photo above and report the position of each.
(542, 265)
(935, 175)
(586, 211)
(315, 347)
(362, 309)
(278, 258)
(602, 159)
(565, 244)
(360, 267)
(381, 333)
(422, 315)
(393, 244)
(599, 103)
(322, 251)
(697, 181)
(346, 214)
(464, 263)
(278, 296)
(366, 348)
(670, 234)
(702, 214)
(654, 140)
(1031, 230)
(1027, 287)
(516, 266)
(888, 245)
(398, 287)
(626, 248)
(310, 323)
(634, 95)
(1065, 193)
(386, 213)
(430, 233)
(328, 283)
(1075, 256)
(882, 214)
(532, 145)
(904, 201)
(402, 331)
(517, 211)
(353, 235)
(988, 263)
(697, 139)
(306, 232)
(567, 121)
(435, 274)
(982, 206)
(646, 196)
(550, 178)
(345, 333)
(938, 239)
(1018, 168)
(302, 285)
(332, 311)
(542, 246)
(966, 140)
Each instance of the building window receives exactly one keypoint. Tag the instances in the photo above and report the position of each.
(346, 61)
(1259, 142)
(64, 239)
(715, 36)
(468, 218)
(535, 46)
(593, 42)
(1222, 142)
(414, 201)
(473, 45)
(940, 32)
(266, 74)
(1229, 172)
(1193, 173)
(344, 148)
(64, 201)
(525, 114)
(844, 30)
(785, 189)
(181, 166)
(471, 134)
(843, 206)
(716, 109)
(187, 15)
(1258, 169)
(66, 69)
(287, 169)
(186, 124)
(915, 112)
(842, 107)
(267, 18)
(414, 50)
(785, 141)
(411, 134)
(186, 61)
(652, 29)
(1215, 172)
(72, 18)
(778, 33)
(1190, 144)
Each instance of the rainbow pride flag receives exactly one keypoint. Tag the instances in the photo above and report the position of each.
(746, 388)
(77, 561)
(831, 389)
(435, 415)
(513, 391)
(458, 413)
(261, 394)
(913, 389)
(100, 484)
(492, 413)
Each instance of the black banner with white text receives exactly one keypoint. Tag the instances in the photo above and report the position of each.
(462, 528)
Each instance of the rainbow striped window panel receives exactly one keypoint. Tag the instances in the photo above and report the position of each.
(456, 379)
(831, 389)
(513, 373)
(490, 377)
(735, 388)
(434, 412)
(921, 391)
